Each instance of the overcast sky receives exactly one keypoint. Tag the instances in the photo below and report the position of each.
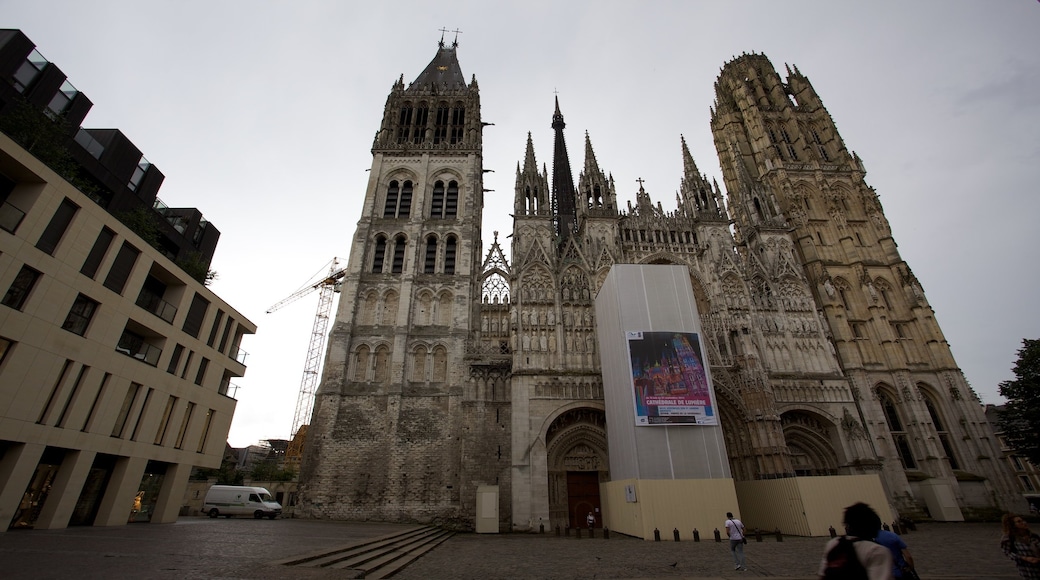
(262, 115)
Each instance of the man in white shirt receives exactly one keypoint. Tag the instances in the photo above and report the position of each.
(735, 531)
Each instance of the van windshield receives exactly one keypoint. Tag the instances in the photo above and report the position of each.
(266, 497)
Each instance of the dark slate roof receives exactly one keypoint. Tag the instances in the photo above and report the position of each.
(443, 70)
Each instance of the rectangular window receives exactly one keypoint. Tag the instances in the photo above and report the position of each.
(97, 253)
(121, 268)
(196, 314)
(175, 359)
(30, 69)
(187, 363)
(216, 327)
(58, 383)
(227, 331)
(79, 315)
(160, 433)
(200, 375)
(124, 411)
(20, 288)
(205, 432)
(141, 414)
(93, 407)
(5, 347)
(59, 224)
(184, 426)
(1026, 484)
(71, 400)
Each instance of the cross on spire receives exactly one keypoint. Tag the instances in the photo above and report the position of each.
(640, 180)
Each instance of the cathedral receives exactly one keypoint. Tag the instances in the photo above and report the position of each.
(451, 366)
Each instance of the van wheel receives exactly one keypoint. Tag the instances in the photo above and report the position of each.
(214, 513)
(258, 514)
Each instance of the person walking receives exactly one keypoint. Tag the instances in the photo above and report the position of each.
(862, 525)
(590, 520)
(902, 562)
(737, 539)
(1021, 545)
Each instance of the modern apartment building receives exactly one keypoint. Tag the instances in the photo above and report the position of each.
(115, 363)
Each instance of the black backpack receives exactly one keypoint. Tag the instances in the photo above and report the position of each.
(843, 563)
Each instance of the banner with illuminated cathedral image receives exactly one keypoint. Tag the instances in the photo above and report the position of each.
(669, 380)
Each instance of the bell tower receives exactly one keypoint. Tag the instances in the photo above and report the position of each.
(384, 441)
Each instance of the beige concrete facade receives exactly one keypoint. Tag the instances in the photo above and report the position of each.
(115, 365)
(826, 358)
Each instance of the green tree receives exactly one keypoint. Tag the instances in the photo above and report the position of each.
(1020, 420)
(144, 222)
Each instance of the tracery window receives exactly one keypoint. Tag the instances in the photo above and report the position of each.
(895, 426)
(361, 363)
(382, 374)
(419, 364)
(458, 122)
(398, 200)
(940, 429)
(440, 364)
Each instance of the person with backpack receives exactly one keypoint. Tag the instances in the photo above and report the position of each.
(737, 539)
(902, 562)
(1021, 545)
(855, 556)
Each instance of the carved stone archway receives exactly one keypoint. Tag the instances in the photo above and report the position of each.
(576, 443)
(810, 437)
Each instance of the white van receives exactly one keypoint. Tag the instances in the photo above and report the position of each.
(240, 500)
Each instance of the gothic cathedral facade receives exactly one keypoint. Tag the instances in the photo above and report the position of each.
(450, 367)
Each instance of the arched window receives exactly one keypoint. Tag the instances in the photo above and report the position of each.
(895, 426)
(379, 255)
(425, 311)
(361, 364)
(449, 255)
(404, 209)
(398, 264)
(389, 308)
(437, 202)
(440, 364)
(444, 309)
(940, 429)
(392, 192)
(382, 374)
(368, 311)
(419, 364)
(431, 254)
(451, 201)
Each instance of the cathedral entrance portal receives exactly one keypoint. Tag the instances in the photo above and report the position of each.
(576, 445)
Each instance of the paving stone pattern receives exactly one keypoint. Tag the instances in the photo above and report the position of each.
(245, 548)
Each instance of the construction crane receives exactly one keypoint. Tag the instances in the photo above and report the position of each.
(326, 286)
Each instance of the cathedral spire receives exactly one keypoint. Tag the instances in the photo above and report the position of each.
(532, 187)
(564, 202)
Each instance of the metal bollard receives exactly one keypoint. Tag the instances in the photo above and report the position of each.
(696, 535)
(834, 533)
(557, 530)
(779, 536)
(541, 528)
(592, 532)
(758, 535)
(567, 531)
(606, 534)
(578, 530)
(718, 537)
(657, 535)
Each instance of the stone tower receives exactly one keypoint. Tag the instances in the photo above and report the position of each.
(791, 180)
(390, 426)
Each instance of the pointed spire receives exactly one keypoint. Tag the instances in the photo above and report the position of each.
(529, 162)
(564, 197)
(689, 165)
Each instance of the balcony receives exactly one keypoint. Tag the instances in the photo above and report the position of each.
(133, 345)
(10, 217)
(156, 305)
(238, 354)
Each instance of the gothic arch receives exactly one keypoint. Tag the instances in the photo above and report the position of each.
(575, 441)
(423, 315)
(812, 440)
